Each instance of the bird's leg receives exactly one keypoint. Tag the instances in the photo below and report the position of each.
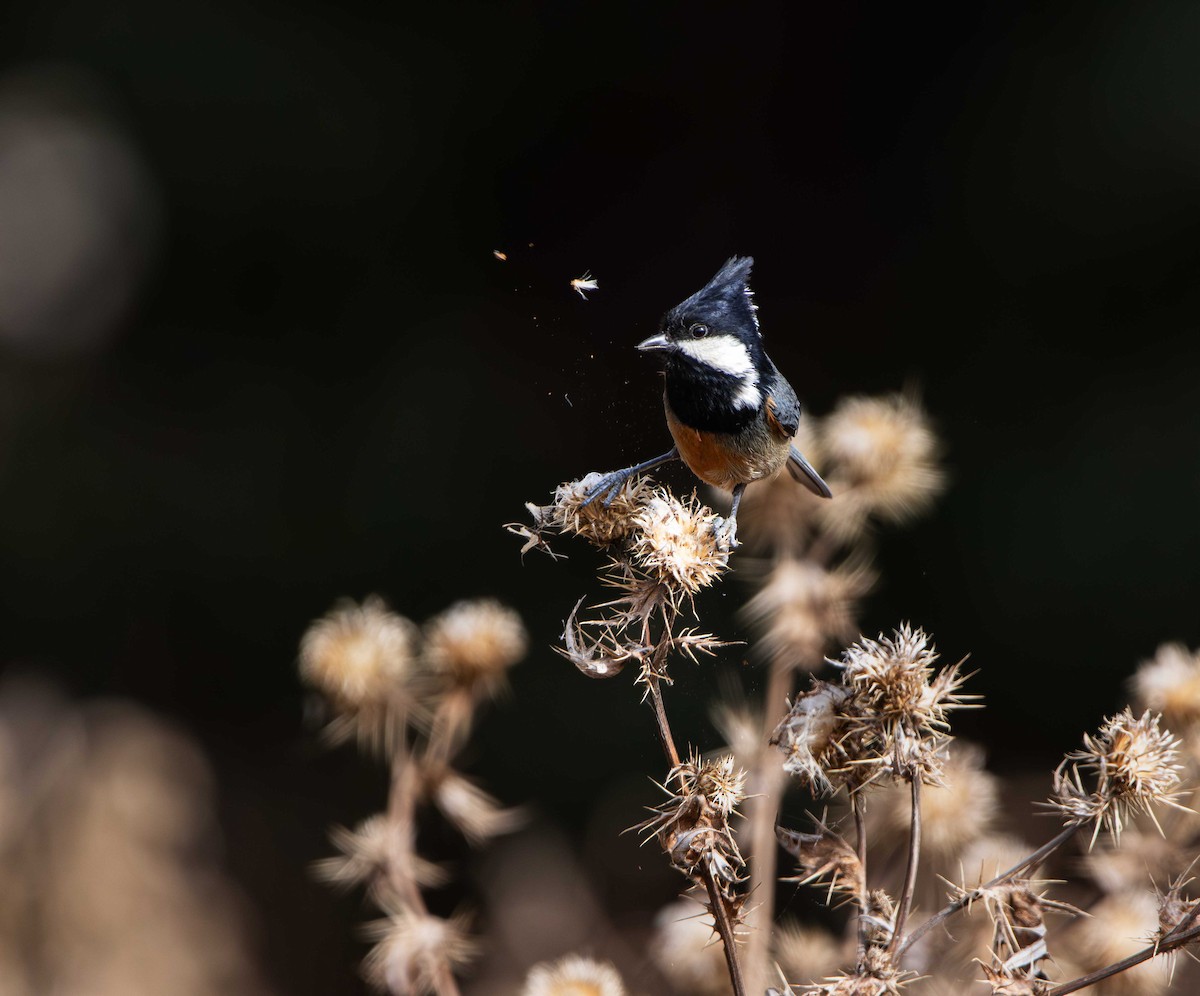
(731, 522)
(609, 484)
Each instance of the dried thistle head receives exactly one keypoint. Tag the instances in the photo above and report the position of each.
(885, 459)
(601, 524)
(1169, 684)
(811, 733)
(876, 976)
(682, 544)
(416, 952)
(825, 858)
(1175, 910)
(574, 975)
(900, 704)
(1134, 766)
(472, 644)
(375, 854)
(803, 606)
(693, 824)
(1018, 913)
(363, 659)
(1005, 983)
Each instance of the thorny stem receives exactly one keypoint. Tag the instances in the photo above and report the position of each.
(716, 903)
(715, 899)
(914, 857)
(1176, 938)
(664, 727)
(1035, 859)
(860, 824)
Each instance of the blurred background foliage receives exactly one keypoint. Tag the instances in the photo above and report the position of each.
(256, 353)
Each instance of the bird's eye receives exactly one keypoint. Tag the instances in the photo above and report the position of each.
(698, 331)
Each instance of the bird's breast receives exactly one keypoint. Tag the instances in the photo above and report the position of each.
(724, 459)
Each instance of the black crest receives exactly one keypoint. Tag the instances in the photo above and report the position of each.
(725, 302)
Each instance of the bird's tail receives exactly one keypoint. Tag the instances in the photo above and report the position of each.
(801, 470)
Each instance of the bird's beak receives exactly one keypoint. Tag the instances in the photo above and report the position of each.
(659, 341)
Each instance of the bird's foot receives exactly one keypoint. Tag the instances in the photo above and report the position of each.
(728, 531)
(608, 486)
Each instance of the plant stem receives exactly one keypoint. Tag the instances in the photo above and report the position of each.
(1177, 938)
(403, 797)
(914, 857)
(1035, 859)
(860, 825)
(664, 727)
(716, 903)
(715, 899)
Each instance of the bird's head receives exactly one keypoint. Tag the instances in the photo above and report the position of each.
(714, 334)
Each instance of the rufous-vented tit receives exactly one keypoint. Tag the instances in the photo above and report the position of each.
(732, 414)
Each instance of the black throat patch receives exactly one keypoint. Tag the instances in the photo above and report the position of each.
(702, 398)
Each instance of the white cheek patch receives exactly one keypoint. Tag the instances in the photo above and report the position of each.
(748, 395)
(721, 352)
(729, 356)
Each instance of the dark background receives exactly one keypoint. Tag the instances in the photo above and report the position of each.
(320, 382)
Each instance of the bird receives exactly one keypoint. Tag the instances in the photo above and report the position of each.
(731, 413)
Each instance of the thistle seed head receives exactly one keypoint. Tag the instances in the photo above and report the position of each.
(374, 853)
(1170, 684)
(900, 705)
(680, 543)
(884, 455)
(811, 732)
(1134, 766)
(472, 645)
(803, 606)
(693, 824)
(573, 975)
(600, 524)
(823, 858)
(363, 659)
(416, 952)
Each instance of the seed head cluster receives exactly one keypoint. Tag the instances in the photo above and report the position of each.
(662, 551)
(886, 716)
(411, 694)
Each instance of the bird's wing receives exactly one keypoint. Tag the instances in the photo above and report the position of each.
(782, 407)
(802, 471)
